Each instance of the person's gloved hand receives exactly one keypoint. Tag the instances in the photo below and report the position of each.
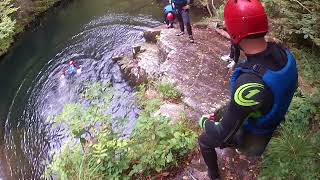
(204, 118)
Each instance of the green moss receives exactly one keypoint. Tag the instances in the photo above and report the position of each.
(168, 91)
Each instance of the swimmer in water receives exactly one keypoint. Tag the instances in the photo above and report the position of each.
(72, 69)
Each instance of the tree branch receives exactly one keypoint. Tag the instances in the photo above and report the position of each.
(303, 6)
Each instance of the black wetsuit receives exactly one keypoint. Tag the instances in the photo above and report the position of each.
(224, 134)
(183, 17)
(234, 52)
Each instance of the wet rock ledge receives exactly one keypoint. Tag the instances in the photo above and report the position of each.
(195, 69)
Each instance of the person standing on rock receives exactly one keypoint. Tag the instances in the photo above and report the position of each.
(182, 10)
(262, 88)
(233, 57)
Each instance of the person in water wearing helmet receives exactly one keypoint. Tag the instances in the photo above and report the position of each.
(168, 12)
(261, 88)
(72, 69)
(182, 8)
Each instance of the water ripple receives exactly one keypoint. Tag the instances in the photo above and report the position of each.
(30, 138)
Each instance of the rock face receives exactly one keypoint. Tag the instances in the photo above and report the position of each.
(171, 110)
(149, 60)
(151, 35)
(196, 68)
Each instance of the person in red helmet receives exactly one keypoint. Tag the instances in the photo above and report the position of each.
(72, 69)
(169, 15)
(261, 88)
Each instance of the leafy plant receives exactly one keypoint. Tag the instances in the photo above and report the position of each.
(154, 146)
(302, 110)
(295, 19)
(164, 147)
(69, 164)
(81, 119)
(220, 12)
(7, 25)
(13, 19)
(168, 91)
(308, 64)
(294, 154)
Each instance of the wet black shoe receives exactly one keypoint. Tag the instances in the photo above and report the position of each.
(191, 39)
(180, 34)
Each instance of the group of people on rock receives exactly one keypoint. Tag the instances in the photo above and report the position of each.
(261, 87)
(180, 9)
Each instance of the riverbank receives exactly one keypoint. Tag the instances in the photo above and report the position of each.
(22, 15)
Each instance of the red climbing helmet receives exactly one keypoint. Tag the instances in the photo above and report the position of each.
(243, 18)
(170, 16)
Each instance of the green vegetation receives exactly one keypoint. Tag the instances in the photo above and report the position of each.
(295, 20)
(15, 17)
(294, 153)
(26, 14)
(102, 151)
(168, 91)
(209, 5)
(215, 10)
(309, 65)
(7, 25)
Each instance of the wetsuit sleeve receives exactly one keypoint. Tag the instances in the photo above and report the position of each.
(249, 98)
